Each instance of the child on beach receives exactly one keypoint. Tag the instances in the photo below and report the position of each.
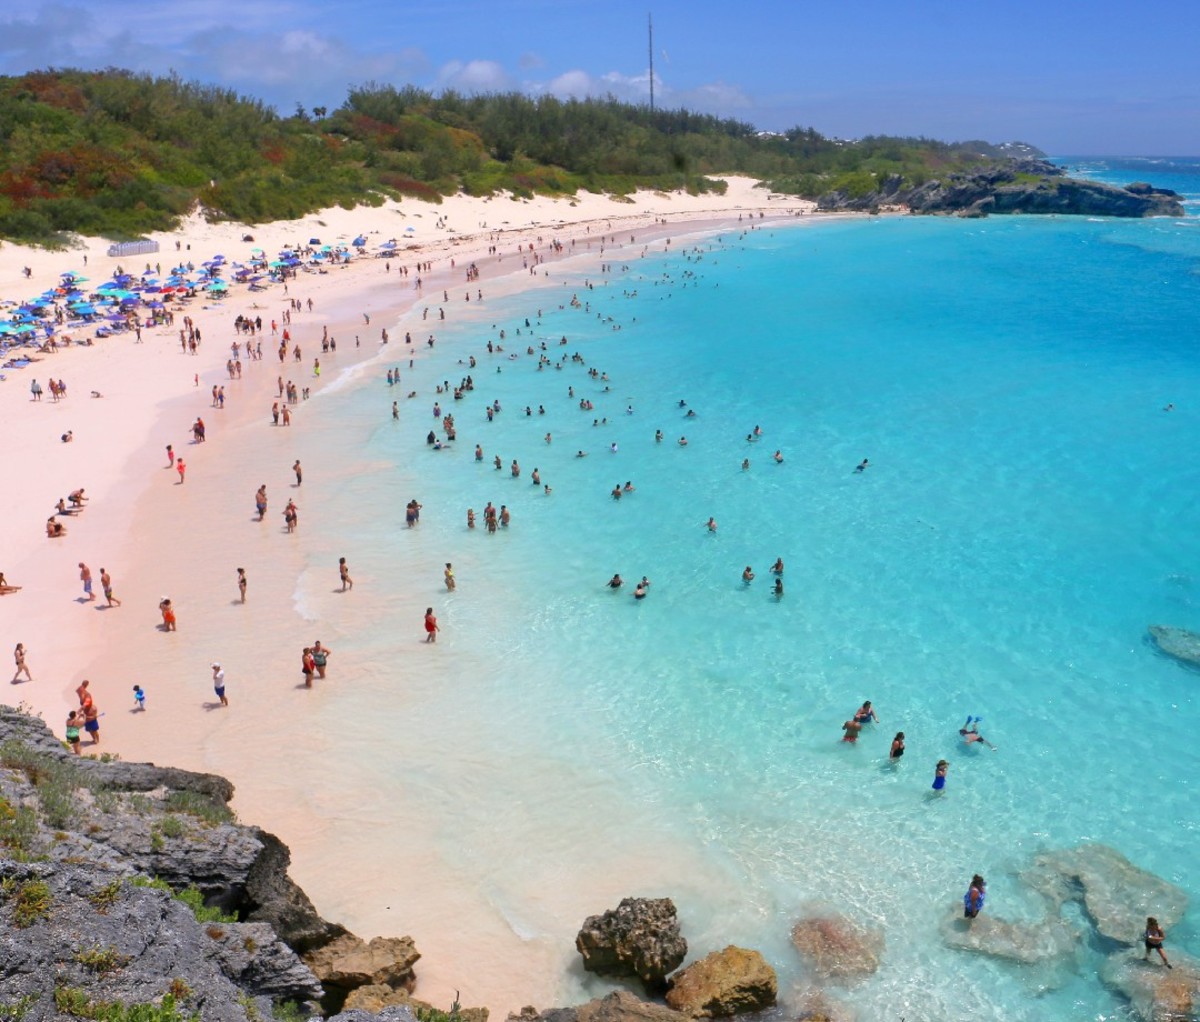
(139, 698)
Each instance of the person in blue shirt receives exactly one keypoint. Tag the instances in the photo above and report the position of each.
(974, 898)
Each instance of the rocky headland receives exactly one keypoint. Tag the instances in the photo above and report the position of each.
(1009, 186)
(129, 893)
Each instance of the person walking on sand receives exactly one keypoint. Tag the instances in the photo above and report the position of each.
(308, 666)
(170, 456)
(85, 576)
(291, 516)
(431, 626)
(91, 722)
(299, 473)
(180, 467)
(74, 721)
(218, 679)
(139, 699)
(82, 692)
(448, 574)
(241, 575)
(344, 574)
(260, 502)
(19, 660)
(1153, 938)
(106, 585)
(35, 389)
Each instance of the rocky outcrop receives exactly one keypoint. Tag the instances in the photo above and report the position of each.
(95, 856)
(1026, 943)
(836, 947)
(640, 937)
(377, 996)
(394, 1013)
(1157, 994)
(350, 962)
(729, 982)
(1011, 186)
(1177, 642)
(619, 1006)
(1116, 894)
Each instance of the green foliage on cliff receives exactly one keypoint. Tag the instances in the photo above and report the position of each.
(119, 154)
(76, 1003)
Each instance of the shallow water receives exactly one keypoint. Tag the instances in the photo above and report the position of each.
(1028, 510)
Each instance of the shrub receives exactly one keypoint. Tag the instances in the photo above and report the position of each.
(201, 806)
(31, 903)
(105, 897)
(171, 826)
(18, 829)
(75, 1002)
(102, 960)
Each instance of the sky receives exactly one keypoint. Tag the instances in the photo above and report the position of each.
(1071, 77)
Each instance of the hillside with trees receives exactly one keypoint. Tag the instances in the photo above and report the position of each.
(117, 154)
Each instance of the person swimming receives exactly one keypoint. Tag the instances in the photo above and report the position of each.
(862, 466)
(616, 582)
(897, 749)
(778, 590)
(970, 732)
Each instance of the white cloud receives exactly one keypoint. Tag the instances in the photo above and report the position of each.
(474, 76)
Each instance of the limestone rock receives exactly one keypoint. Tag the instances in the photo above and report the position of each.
(350, 962)
(729, 982)
(640, 937)
(1117, 895)
(1177, 642)
(1158, 994)
(393, 1013)
(1017, 942)
(836, 947)
(253, 957)
(376, 996)
(619, 1006)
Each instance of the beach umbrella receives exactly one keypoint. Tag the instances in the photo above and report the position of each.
(314, 241)
(409, 230)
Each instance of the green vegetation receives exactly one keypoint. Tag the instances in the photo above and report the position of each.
(30, 901)
(105, 897)
(119, 154)
(102, 960)
(15, 1011)
(56, 780)
(210, 810)
(18, 830)
(192, 897)
(287, 1011)
(75, 1002)
(437, 1015)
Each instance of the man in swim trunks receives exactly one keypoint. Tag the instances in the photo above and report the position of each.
(851, 729)
(218, 679)
(85, 576)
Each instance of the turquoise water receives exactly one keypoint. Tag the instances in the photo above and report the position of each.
(1028, 511)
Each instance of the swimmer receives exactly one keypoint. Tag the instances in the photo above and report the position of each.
(897, 749)
(581, 454)
(616, 492)
(470, 518)
(616, 582)
(628, 487)
(711, 525)
(639, 592)
(970, 733)
(682, 441)
(778, 456)
(862, 466)
(778, 590)
(658, 436)
(745, 464)
(748, 574)
(612, 448)
(777, 567)
(691, 414)
(851, 728)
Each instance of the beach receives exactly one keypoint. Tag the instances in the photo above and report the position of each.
(159, 536)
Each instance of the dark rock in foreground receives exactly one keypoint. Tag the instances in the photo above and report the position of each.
(619, 1006)
(640, 937)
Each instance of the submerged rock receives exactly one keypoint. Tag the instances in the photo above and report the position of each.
(1026, 943)
(729, 982)
(837, 947)
(640, 937)
(1177, 642)
(1158, 994)
(1117, 895)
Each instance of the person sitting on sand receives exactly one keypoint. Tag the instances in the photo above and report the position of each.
(68, 436)
(62, 509)
(77, 498)
(5, 588)
(54, 529)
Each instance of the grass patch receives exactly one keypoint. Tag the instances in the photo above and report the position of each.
(192, 897)
(437, 1015)
(171, 826)
(179, 989)
(105, 897)
(200, 806)
(55, 780)
(288, 1011)
(15, 1011)
(101, 960)
(76, 1003)
(18, 830)
(31, 902)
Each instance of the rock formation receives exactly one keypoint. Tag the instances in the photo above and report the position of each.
(123, 883)
(1158, 994)
(350, 962)
(1012, 186)
(640, 937)
(1177, 642)
(1117, 895)
(1026, 943)
(729, 982)
(836, 947)
(619, 1006)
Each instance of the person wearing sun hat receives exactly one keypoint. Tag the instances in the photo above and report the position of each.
(219, 682)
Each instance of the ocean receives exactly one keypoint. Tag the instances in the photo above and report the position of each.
(1027, 511)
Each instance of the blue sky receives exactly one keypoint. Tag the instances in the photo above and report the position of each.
(1072, 77)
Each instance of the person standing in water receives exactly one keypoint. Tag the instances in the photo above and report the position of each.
(939, 775)
(974, 898)
(344, 574)
(448, 574)
(897, 749)
(431, 626)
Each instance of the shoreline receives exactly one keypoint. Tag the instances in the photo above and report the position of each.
(118, 456)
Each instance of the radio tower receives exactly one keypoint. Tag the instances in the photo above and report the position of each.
(650, 25)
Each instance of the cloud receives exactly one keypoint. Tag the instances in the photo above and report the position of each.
(474, 76)
(530, 61)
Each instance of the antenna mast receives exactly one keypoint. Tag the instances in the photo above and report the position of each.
(650, 25)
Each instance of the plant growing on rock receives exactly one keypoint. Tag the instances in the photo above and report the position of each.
(30, 902)
(105, 897)
(102, 960)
